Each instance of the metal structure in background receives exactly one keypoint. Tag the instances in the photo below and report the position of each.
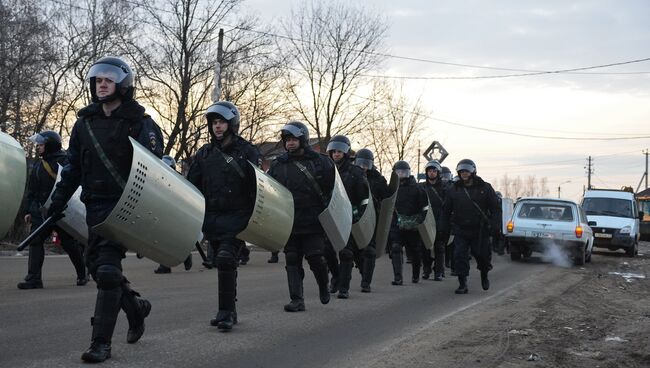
(364, 229)
(159, 214)
(13, 176)
(386, 216)
(74, 220)
(336, 219)
(435, 146)
(272, 219)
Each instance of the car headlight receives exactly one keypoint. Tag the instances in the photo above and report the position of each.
(626, 230)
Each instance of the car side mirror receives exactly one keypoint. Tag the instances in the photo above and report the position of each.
(641, 214)
(591, 223)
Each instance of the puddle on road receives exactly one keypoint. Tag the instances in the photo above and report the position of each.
(628, 276)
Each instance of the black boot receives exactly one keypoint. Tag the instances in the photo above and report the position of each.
(295, 275)
(162, 269)
(462, 285)
(439, 276)
(366, 276)
(415, 264)
(227, 315)
(485, 283)
(188, 262)
(34, 265)
(334, 285)
(107, 308)
(274, 258)
(136, 309)
(318, 266)
(30, 283)
(397, 267)
(345, 275)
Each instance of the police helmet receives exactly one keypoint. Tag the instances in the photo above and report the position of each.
(433, 164)
(169, 161)
(118, 71)
(446, 173)
(226, 111)
(402, 169)
(364, 158)
(339, 143)
(49, 138)
(298, 130)
(467, 165)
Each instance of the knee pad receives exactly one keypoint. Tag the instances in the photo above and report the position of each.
(370, 252)
(346, 254)
(396, 248)
(316, 260)
(108, 277)
(292, 259)
(226, 261)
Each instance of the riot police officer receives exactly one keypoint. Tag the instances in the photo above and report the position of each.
(41, 180)
(409, 206)
(356, 187)
(446, 178)
(169, 160)
(472, 208)
(379, 189)
(100, 155)
(222, 173)
(445, 175)
(436, 191)
(309, 176)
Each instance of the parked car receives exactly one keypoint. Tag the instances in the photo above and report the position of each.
(614, 217)
(538, 223)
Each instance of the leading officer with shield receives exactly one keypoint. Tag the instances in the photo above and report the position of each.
(436, 191)
(308, 175)
(222, 173)
(100, 156)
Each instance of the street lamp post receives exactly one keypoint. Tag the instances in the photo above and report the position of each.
(559, 185)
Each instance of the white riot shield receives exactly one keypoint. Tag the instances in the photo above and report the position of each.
(386, 216)
(507, 209)
(336, 219)
(159, 213)
(364, 229)
(270, 224)
(74, 222)
(13, 175)
(427, 229)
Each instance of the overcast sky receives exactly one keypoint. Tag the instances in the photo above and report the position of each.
(531, 35)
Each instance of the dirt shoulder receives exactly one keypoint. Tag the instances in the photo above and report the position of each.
(571, 317)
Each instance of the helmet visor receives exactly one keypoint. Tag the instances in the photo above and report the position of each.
(466, 167)
(169, 161)
(403, 173)
(224, 111)
(363, 163)
(37, 139)
(338, 146)
(291, 130)
(108, 71)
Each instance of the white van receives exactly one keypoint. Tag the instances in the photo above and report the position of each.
(614, 218)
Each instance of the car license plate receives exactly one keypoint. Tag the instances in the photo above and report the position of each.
(601, 235)
(537, 234)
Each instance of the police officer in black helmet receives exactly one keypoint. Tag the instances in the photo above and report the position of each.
(100, 155)
(436, 191)
(41, 180)
(222, 173)
(309, 176)
(472, 208)
(356, 187)
(379, 189)
(409, 213)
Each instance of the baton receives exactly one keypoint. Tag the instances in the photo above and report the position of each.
(38, 233)
(198, 247)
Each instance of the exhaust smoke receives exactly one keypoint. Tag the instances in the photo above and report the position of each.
(556, 255)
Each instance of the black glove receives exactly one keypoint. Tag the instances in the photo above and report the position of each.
(56, 207)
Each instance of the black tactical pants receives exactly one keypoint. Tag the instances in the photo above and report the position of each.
(227, 250)
(411, 242)
(311, 247)
(478, 244)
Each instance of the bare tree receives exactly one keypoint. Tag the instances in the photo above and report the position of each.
(333, 44)
(518, 187)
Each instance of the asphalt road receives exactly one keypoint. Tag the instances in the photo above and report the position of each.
(50, 327)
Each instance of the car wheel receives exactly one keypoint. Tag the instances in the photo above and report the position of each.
(527, 252)
(588, 256)
(579, 259)
(631, 252)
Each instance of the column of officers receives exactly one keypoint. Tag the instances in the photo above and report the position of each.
(99, 157)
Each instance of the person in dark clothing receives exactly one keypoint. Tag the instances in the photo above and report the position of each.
(100, 156)
(409, 213)
(41, 181)
(274, 258)
(356, 187)
(221, 172)
(379, 189)
(436, 191)
(472, 208)
(446, 178)
(309, 176)
(188, 261)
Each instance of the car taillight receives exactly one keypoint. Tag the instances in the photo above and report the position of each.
(510, 227)
(579, 231)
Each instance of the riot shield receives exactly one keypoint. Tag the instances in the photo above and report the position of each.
(74, 222)
(386, 216)
(363, 230)
(507, 209)
(427, 229)
(336, 219)
(270, 224)
(159, 214)
(13, 174)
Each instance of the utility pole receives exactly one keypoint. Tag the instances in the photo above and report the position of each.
(646, 168)
(589, 172)
(216, 92)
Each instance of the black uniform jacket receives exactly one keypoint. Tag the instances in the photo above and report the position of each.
(41, 182)
(436, 193)
(460, 209)
(308, 203)
(378, 186)
(355, 183)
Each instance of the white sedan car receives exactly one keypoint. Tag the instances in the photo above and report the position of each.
(539, 223)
